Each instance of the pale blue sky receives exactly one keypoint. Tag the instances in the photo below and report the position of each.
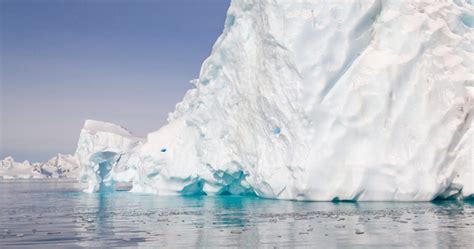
(125, 62)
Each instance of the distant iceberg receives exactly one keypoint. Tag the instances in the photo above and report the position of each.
(60, 166)
(313, 100)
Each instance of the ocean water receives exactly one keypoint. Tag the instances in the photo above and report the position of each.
(45, 214)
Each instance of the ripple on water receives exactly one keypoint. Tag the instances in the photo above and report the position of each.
(47, 216)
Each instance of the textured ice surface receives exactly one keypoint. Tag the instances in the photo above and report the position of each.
(313, 100)
(102, 150)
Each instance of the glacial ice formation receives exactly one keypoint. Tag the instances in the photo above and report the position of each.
(60, 166)
(313, 100)
(102, 149)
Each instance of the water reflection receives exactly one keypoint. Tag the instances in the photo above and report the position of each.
(230, 212)
(74, 219)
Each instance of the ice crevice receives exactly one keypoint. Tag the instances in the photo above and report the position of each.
(360, 39)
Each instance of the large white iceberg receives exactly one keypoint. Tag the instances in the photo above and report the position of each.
(313, 100)
(316, 100)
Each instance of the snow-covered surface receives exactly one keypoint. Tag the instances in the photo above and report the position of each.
(93, 127)
(60, 166)
(313, 100)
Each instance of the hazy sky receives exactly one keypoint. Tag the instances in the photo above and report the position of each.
(125, 62)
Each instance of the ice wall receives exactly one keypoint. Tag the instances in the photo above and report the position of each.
(315, 100)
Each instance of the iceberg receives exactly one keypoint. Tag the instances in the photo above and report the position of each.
(313, 100)
(60, 166)
(102, 150)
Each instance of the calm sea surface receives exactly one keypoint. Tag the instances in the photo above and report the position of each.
(45, 214)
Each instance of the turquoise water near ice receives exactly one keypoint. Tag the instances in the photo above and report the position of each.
(45, 214)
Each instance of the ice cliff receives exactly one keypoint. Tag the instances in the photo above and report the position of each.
(313, 100)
